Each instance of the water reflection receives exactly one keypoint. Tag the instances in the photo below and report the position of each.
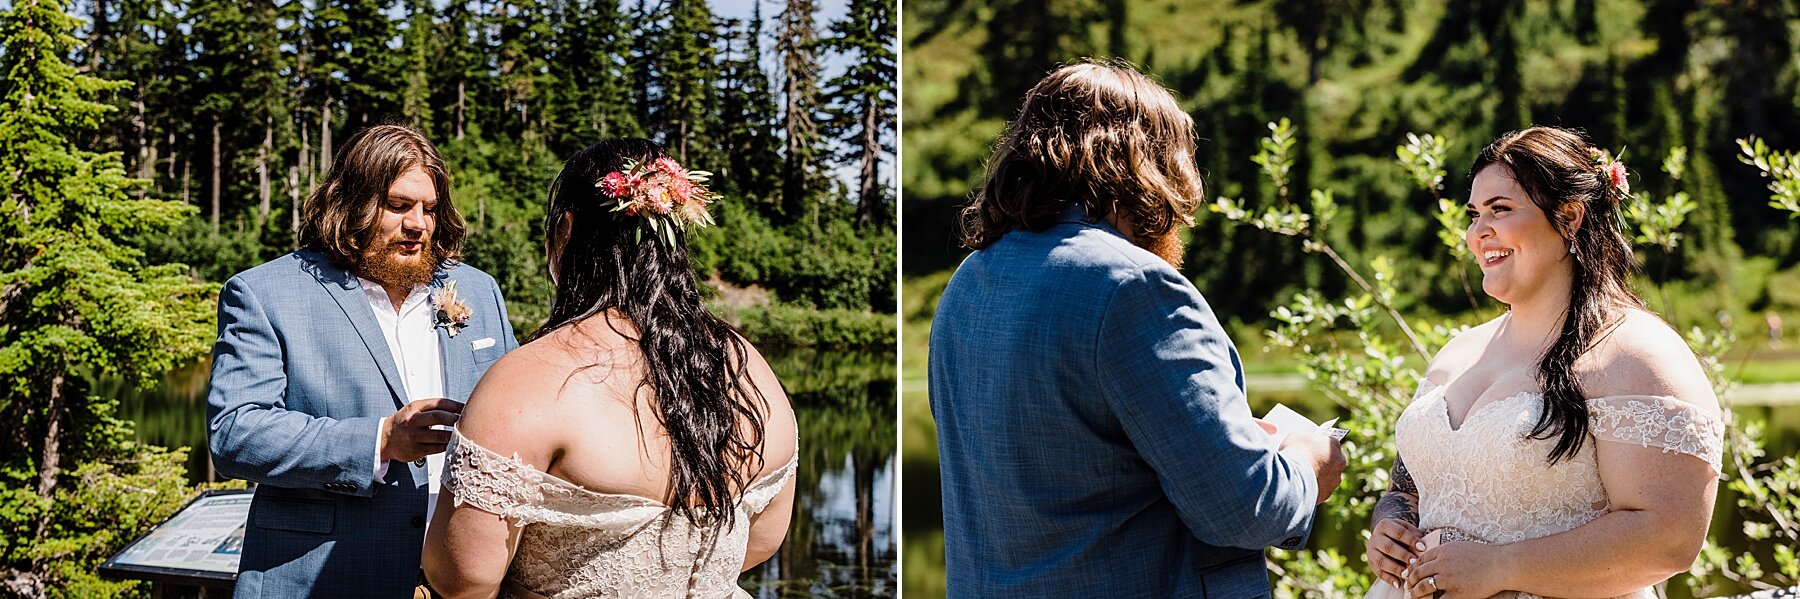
(841, 541)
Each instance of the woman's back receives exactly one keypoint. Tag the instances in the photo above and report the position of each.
(564, 440)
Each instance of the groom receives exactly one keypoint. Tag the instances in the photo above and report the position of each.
(1092, 430)
(336, 366)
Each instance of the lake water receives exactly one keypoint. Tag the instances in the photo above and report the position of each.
(841, 542)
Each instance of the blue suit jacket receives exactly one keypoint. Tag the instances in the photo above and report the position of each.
(1092, 430)
(301, 378)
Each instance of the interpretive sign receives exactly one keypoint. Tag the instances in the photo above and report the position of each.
(200, 545)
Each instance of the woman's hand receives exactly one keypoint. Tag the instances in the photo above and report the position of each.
(1392, 545)
(1458, 570)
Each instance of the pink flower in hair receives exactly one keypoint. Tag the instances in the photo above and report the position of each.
(660, 199)
(1616, 173)
(617, 184)
(685, 191)
(668, 197)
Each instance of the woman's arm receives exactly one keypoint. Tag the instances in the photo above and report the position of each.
(467, 549)
(769, 527)
(1394, 529)
(1661, 504)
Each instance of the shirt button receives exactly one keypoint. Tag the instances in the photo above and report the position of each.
(420, 463)
(418, 522)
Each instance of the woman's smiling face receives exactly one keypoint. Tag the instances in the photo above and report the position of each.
(1520, 253)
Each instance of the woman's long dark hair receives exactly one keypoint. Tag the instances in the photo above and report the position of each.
(695, 364)
(1556, 168)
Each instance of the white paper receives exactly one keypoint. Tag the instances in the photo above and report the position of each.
(1287, 421)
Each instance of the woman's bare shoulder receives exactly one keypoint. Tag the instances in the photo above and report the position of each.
(521, 395)
(1643, 356)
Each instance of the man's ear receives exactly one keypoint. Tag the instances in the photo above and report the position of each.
(1573, 213)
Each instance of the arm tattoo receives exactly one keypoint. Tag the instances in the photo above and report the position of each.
(1400, 479)
(1402, 497)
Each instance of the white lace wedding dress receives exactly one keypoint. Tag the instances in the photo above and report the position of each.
(579, 543)
(1511, 493)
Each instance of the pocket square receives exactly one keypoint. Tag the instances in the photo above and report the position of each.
(484, 343)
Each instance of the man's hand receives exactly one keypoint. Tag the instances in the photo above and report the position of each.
(407, 436)
(1326, 456)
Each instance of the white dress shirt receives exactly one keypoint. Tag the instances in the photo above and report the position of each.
(412, 339)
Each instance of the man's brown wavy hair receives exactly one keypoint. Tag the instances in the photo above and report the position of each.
(339, 219)
(1099, 134)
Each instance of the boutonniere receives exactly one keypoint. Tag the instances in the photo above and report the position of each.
(452, 313)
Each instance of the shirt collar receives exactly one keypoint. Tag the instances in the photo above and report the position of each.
(378, 295)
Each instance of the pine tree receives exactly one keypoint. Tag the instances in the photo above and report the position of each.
(861, 100)
(420, 46)
(461, 66)
(685, 57)
(523, 55)
(371, 67)
(590, 98)
(76, 300)
(797, 44)
(752, 150)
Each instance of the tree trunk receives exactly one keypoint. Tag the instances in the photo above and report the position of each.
(146, 154)
(49, 465)
(293, 181)
(216, 126)
(262, 170)
(96, 35)
(306, 163)
(869, 203)
(173, 155)
(460, 92)
(187, 174)
(325, 136)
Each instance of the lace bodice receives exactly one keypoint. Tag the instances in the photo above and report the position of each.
(1511, 493)
(579, 543)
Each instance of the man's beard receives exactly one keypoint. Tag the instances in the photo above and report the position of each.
(1167, 246)
(384, 264)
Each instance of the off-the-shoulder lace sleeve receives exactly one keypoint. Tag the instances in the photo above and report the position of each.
(508, 487)
(1662, 422)
(760, 493)
(492, 482)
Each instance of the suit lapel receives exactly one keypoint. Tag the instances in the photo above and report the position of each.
(349, 296)
(456, 354)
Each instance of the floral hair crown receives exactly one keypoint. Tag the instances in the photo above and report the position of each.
(1612, 170)
(665, 195)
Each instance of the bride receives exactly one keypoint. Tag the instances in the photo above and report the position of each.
(1598, 433)
(636, 446)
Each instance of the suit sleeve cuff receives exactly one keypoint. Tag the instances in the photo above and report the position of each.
(381, 465)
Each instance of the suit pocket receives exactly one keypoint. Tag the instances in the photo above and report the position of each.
(297, 515)
(488, 355)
